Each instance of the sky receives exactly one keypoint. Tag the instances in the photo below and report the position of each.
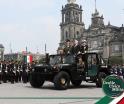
(34, 23)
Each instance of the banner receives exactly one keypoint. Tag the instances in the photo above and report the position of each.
(28, 59)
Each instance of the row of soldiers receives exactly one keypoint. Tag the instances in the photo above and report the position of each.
(14, 71)
(74, 47)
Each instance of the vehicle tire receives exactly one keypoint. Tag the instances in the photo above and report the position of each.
(76, 83)
(35, 81)
(61, 81)
(100, 79)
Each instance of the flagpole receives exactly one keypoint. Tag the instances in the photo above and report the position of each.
(26, 54)
(10, 48)
(26, 50)
(95, 5)
(45, 48)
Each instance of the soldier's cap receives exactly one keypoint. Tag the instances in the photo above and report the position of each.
(67, 40)
(76, 41)
(84, 40)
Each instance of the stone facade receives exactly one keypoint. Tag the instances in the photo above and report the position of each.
(108, 40)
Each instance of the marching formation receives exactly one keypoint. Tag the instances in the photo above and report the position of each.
(13, 71)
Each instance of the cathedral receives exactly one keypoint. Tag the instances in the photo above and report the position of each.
(107, 40)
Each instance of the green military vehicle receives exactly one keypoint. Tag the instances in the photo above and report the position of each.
(63, 69)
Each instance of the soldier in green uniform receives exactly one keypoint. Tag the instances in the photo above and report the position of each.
(24, 73)
(83, 46)
(4, 72)
(12, 72)
(67, 47)
(16, 71)
(20, 71)
(76, 47)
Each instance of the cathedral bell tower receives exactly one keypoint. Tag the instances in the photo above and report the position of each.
(97, 20)
(71, 26)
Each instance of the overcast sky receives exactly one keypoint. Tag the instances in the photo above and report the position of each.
(33, 23)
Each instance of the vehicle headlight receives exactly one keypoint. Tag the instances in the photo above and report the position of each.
(33, 69)
(56, 67)
(45, 70)
(27, 71)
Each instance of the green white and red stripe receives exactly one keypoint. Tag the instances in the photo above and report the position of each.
(108, 100)
(118, 100)
(28, 58)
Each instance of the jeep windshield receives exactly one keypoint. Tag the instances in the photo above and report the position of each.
(69, 59)
(55, 59)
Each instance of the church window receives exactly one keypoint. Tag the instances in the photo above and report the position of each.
(66, 35)
(67, 17)
(62, 37)
(73, 12)
(100, 42)
(94, 44)
(72, 16)
(67, 13)
(94, 21)
(64, 17)
(77, 35)
(116, 48)
(74, 33)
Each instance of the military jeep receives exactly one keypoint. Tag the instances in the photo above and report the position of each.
(61, 69)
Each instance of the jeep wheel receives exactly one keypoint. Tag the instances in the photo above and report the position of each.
(35, 81)
(76, 83)
(61, 81)
(100, 79)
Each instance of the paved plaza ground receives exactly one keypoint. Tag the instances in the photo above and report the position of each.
(20, 93)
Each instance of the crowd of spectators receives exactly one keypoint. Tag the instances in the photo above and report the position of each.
(118, 70)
